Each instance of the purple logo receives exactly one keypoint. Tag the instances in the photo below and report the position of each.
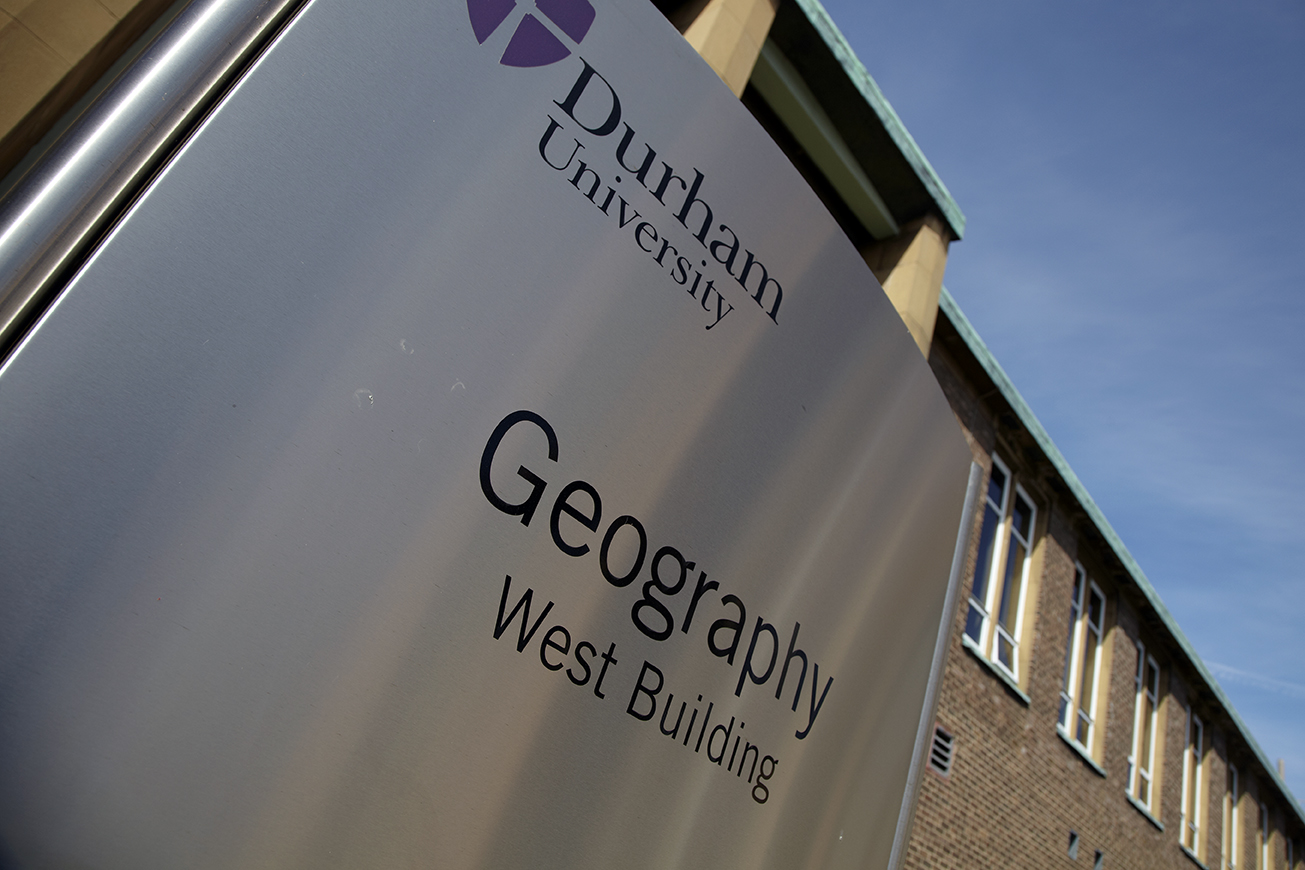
(532, 44)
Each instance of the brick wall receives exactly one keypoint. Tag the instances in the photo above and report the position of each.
(1016, 788)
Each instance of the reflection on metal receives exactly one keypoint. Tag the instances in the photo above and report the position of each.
(926, 734)
(54, 215)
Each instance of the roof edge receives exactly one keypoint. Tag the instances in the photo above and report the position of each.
(861, 79)
(947, 305)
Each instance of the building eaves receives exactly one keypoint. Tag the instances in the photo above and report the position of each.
(976, 346)
(860, 79)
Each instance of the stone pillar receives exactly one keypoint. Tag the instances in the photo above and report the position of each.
(910, 266)
(729, 35)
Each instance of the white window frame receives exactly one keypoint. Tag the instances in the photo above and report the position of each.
(1135, 770)
(1071, 700)
(1230, 820)
(989, 631)
(1193, 756)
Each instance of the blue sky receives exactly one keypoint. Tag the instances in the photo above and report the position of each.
(1132, 176)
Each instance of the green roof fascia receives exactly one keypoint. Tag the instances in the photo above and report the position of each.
(947, 305)
(874, 97)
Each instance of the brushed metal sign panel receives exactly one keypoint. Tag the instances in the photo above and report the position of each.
(478, 448)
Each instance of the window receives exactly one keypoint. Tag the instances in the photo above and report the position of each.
(1230, 838)
(1264, 837)
(1001, 570)
(1193, 753)
(1141, 770)
(1078, 697)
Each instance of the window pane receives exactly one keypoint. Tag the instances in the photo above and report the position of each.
(1066, 688)
(1235, 836)
(1010, 587)
(1226, 848)
(1021, 517)
(1069, 656)
(1192, 784)
(1066, 702)
(974, 623)
(1264, 837)
(997, 486)
(1006, 652)
(983, 564)
(1089, 674)
(1096, 609)
(1144, 738)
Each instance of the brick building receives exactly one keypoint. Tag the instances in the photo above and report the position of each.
(1075, 724)
(1075, 719)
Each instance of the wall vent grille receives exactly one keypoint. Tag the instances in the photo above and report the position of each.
(942, 751)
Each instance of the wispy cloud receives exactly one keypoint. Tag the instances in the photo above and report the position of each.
(1258, 681)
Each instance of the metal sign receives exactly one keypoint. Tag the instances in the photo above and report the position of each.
(477, 448)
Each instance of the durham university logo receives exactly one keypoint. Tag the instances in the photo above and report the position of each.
(532, 44)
